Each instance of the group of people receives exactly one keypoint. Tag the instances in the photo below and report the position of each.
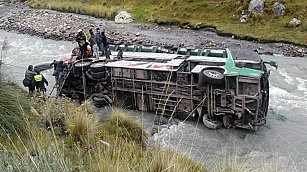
(89, 46)
(34, 79)
(91, 43)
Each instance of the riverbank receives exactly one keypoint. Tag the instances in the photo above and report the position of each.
(63, 26)
(223, 16)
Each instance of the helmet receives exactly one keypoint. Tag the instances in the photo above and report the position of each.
(80, 30)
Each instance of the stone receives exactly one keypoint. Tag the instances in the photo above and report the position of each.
(9, 168)
(197, 25)
(300, 50)
(123, 17)
(243, 18)
(295, 22)
(256, 6)
(279, 9)
(186, 27)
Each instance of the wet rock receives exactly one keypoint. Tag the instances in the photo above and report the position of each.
(243, 18)
(300, 50)
(279, 9)
(269, 52)
(256, 6)
(157, 128)
(123, 17)
(295, 22)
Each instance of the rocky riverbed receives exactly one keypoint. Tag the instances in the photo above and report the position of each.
(63, 26)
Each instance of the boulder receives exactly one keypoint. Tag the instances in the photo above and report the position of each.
(295, 22)
(256, 6)
(123, 17)
(279, 9)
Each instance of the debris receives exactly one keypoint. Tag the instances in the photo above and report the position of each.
(295, 22)
(105, 143)
(243, 18)
(197, 26)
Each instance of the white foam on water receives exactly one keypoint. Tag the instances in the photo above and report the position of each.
(289, 79)
(164, 137)
(302, 85)
(283, 100)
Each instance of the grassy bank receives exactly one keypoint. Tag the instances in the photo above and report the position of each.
(14, 109)
(222, 16)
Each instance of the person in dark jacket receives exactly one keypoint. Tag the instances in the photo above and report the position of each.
(85, 50)
(29, 79)
(40, 81)
(104, 40)
(101, 41)
(59, 67)
(80, 36)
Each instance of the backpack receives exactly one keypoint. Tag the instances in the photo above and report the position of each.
(25, 82)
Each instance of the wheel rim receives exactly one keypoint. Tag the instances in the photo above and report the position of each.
(213, 74)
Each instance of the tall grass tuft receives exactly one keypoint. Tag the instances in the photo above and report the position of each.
(169, 161)
(14, 109)
(125, 127)
(81, 125)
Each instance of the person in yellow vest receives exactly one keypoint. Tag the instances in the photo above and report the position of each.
(40, 81)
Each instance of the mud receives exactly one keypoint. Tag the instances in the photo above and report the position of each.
(63, 26)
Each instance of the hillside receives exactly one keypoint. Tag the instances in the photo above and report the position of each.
(223, 16)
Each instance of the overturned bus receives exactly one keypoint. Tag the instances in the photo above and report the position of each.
(222, 87)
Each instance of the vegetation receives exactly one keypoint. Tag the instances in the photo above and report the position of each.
(58, 135)
(14, 109)
(221, 16)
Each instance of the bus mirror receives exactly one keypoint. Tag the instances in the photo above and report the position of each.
(272, 63)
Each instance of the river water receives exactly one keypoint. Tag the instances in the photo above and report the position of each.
(280, 145)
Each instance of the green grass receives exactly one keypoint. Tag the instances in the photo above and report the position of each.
(14, 109)
(221, 15)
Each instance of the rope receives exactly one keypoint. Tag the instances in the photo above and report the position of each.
(83, 78)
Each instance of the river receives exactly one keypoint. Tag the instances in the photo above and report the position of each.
(281, 143)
